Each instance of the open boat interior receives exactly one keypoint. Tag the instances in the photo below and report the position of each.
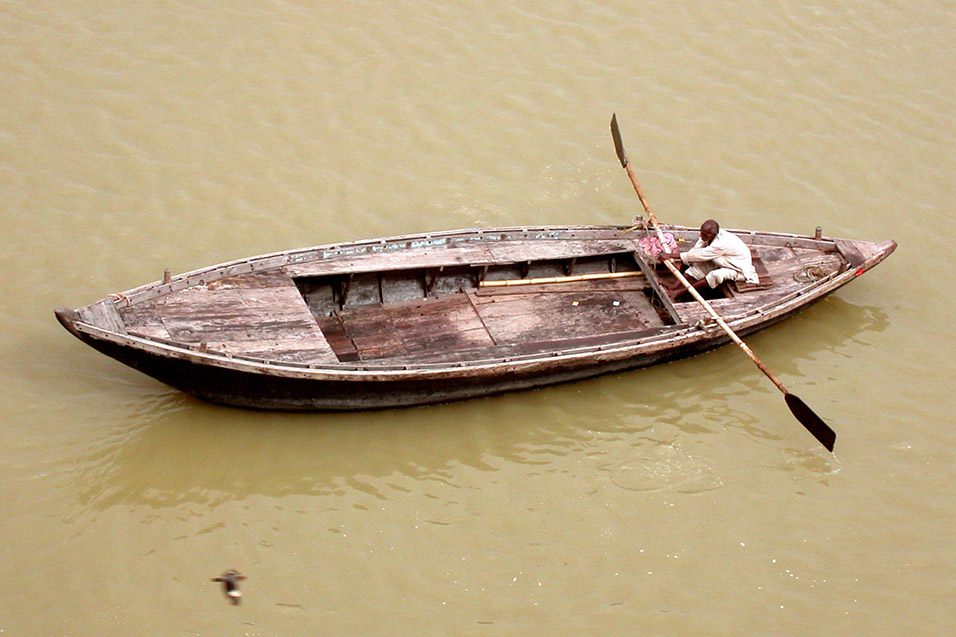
(453, 297)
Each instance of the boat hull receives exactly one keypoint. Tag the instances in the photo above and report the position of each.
(263, 391)
(255, 389)
(314, 352)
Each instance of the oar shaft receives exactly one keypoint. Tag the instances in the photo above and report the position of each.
(640, 195)
(719, 319)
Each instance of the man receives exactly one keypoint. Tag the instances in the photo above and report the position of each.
(717, 256)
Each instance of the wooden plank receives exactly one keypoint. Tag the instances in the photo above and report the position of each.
(655, 284)
(372, 332)
(103, 314)
(596, 276)
(445, 356)
(448, 322)
(144, 320)
(477, 254)
(516, 319)
(272, 350)
(587, 341)
(401, 259)
(338, 339)
(200, 314)
(851, 252)
(239, 313)
(788, 266)
(539, 250)
(375, 331)
(447, 341)
(691, 311)
(524, 349)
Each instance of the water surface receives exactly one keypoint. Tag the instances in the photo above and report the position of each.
(682, 499)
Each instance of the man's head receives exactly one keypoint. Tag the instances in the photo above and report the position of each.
(709, 230)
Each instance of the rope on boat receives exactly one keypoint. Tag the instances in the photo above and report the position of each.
(120, 296)
(811, 273)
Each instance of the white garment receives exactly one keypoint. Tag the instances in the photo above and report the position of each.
(727, 258)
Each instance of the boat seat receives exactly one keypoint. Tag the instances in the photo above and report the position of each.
(742, 287)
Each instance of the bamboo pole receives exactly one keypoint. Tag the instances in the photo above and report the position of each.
(560, 279)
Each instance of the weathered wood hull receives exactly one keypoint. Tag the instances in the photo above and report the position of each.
(243, 388)
(415, 339)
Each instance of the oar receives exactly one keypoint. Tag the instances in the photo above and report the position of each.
(814, 424)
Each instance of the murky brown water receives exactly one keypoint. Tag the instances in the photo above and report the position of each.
(682, 499)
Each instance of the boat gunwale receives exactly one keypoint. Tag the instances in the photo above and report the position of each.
(276, 260)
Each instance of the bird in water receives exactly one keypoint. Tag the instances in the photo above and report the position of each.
(230, 585)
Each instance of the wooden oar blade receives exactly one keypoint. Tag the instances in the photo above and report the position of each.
(618, 142)
(814, 424)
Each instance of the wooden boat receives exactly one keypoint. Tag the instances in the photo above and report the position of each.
(444, 316)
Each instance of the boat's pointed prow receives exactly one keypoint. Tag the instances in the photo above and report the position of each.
(67, 319)
(876, 253)
(863, 255)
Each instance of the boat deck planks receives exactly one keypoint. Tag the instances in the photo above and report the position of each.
(856, 252)
(764, 282)
(261, 315)
(338, 338)
(104, 313)
(521, 251)
(143, 319)
(510, 251)
(499, 323)
(530, 318)
(438, 325)
(372, 332)
(513, 320)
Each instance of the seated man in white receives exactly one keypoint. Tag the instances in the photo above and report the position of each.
(717, 256)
